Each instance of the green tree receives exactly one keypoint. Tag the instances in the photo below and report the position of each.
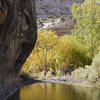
(87, 29)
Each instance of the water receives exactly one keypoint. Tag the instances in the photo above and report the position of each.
(54, 91)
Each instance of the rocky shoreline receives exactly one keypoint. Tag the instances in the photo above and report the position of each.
(65, 79)
(68, 81)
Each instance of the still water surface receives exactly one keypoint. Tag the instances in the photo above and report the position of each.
(54, 91)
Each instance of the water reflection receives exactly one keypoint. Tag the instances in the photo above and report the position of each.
(53, 91)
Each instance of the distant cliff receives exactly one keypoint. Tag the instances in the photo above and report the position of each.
(47, 8)
(55, 14)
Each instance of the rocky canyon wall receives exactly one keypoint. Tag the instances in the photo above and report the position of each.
(18, 34)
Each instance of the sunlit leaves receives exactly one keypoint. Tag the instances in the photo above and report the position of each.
(87, 29)
(53, 52)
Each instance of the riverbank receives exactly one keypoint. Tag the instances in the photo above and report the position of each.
(63, 80)
(66, 79)
(55, 91)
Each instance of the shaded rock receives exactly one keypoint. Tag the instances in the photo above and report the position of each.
(17, 39)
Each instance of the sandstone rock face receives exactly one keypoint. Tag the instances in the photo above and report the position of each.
(18, 34)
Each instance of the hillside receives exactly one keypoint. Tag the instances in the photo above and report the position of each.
(54, 7)
(54, 13)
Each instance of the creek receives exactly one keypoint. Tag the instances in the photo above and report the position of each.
(55, 91)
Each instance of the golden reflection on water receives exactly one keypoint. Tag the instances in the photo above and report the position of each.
(53, 91)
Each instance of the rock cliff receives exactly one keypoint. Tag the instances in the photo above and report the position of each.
(18, 34)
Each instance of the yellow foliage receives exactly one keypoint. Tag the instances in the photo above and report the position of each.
(53, 52)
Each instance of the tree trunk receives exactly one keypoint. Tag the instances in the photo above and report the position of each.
(18, 34)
